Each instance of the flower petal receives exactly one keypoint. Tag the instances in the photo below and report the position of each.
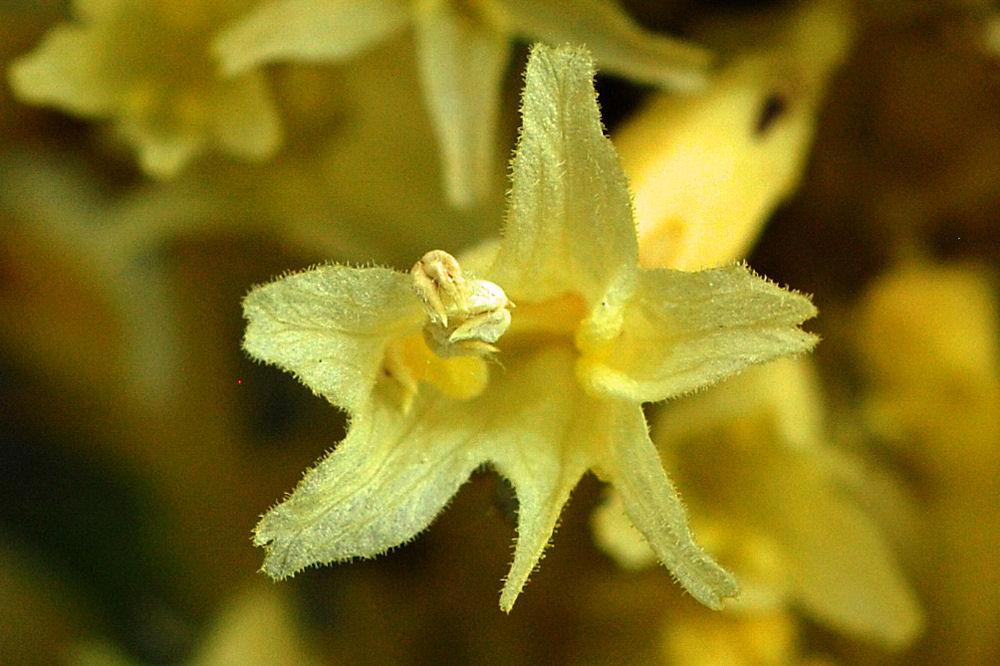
(96, 11)
(379, 488)
(308, 30)
(461, 65)
(163, 151)
(617, 43)
(395, 471)
(67, 70)
(244, 119)
(685, 331)
(543, 445)
(569, 225)
(329, 326)
(632, 465)
(842, 571)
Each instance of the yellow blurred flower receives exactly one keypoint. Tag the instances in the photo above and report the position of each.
(708, 170)
(929, 340)
(145, 65)
(772, 506)
(462, 50)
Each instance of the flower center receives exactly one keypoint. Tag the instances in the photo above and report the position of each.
(464, 317)
(410, 362)
(554, 321)
(465, 321)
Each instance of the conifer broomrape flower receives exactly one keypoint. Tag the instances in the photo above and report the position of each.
(146, 66)
(441, 373)
(462, 49)
(777, 505)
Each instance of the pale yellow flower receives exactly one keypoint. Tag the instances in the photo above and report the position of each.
(929, 340)
(558, 393)
(774, 507)
(462, 50)
(708, 170)
(145, 65)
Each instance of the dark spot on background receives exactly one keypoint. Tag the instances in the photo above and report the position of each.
(618, 98)
(774, 107)
(90, 525)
